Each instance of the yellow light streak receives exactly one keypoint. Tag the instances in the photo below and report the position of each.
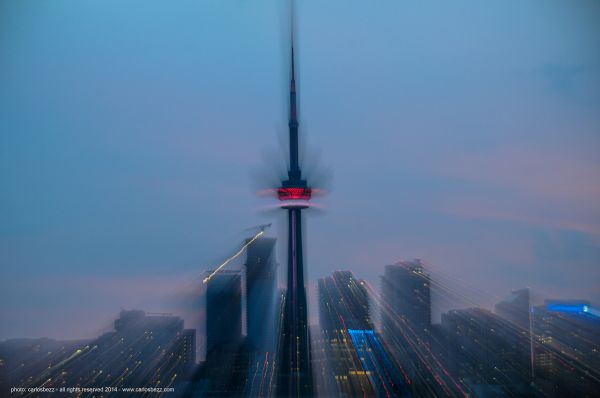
(208, 278)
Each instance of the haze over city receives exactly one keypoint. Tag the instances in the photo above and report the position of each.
(136, 135)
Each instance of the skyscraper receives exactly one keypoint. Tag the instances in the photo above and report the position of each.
(261, 282)
(406, 323)
(358, 361)
(406, 291)
(343, 303)
(515, 308)
(225, 369)
(487, 353)
(143, 350)
(223, 313)
(566, 349)
(295, 371)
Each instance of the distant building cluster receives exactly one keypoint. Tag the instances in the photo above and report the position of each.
(238, 364)
(367, 343)
(519, 350)
(144, 350)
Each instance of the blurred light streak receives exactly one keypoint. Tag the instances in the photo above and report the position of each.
(236, 255)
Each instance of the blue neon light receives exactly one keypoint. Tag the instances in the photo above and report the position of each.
(567, 308)
(375, 360)
(574, 308)
(361, 331)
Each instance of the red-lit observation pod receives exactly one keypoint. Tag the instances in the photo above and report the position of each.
(294, 197)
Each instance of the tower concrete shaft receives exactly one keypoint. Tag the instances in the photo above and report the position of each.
(295, 371)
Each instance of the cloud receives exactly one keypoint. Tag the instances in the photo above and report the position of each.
(85, 306)
(528, 186)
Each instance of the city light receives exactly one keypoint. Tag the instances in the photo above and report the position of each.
(236, 255)
(294, 193)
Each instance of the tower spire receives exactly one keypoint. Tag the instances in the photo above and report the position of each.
(294, 172)
(295, 371)
(293, 76)
(293, 84)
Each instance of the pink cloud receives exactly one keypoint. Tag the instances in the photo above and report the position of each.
(545, 188)
(86, 306)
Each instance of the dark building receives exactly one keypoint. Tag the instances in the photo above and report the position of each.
(261, 282)
(144, 350)
(406, 328)
(159, 341)
(187, 340)
(358, 362)
(223, 312)
(405, 288)
(262, 375)
(488, 356)
(516, 308)
(22, 361)
(343, 303)
(227, 371)
(224, 372)
(165, 331)
(566, 348)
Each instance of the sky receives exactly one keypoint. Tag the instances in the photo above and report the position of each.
(135, 135)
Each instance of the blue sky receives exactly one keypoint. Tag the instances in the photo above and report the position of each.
(135, 135)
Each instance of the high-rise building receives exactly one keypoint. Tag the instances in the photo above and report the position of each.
(223, 312)
(566, 348)
(358, 362)
(488, 354)
(516, 308)
(225, 369)
(261, 282)
(343, 303)
(407, 330)
(405, 289)
(22, 361)
(144, 350)
(187, 344)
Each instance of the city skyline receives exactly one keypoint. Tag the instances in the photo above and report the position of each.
(129, 179)
(521, 348)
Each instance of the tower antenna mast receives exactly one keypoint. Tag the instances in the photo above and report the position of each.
(295, 371)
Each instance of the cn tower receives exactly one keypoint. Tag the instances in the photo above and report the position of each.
(294, 366)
